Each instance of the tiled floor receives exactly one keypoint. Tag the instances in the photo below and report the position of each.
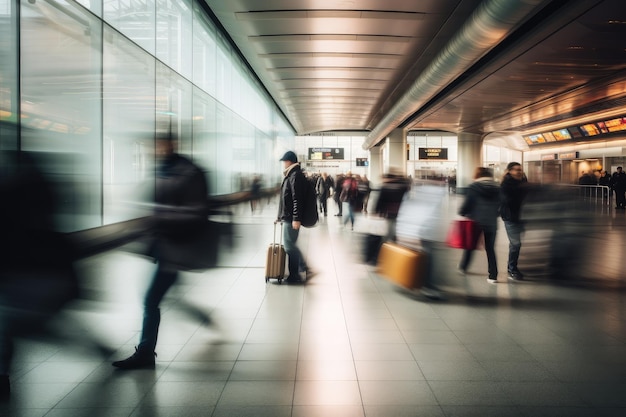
(347, 344)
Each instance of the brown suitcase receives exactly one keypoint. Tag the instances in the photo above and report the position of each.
(402, 266)
(275, 263)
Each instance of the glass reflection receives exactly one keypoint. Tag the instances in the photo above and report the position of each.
(128, 128)
(61, 108)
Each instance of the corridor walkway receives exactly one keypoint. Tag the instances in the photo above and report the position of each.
(346, 344)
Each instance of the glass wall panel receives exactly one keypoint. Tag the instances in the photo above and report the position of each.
(134, 18)
(223, 72)
(174, 99)
(92, 95)
(8, 75)
(228, 178)
(174, 34)
(129, 124)
(61, 104)
(205, 135)
(204, 52)
(95, 6)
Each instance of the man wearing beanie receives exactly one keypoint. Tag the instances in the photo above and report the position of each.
(292, 197)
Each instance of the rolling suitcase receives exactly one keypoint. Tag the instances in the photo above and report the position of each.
(275, 263)
(402, 266)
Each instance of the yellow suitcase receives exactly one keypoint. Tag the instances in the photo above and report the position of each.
(402, 266)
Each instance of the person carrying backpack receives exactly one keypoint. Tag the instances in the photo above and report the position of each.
(290, 211)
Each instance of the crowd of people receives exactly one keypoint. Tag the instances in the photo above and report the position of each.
(616, 183)
(181, 209)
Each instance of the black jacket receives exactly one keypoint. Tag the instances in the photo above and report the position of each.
(512, 194)
(482, 203)
(391, 195)
(618, 181)
(292, 195)
(180, 196)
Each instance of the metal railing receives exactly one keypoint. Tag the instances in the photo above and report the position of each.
(595, 194)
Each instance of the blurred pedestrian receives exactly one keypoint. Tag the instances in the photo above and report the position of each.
(513, 190)
(37, 277)
(481, 205)
(255, 193)
(322, 188)
(365, 186)
(337, 187)
(350, 197)
(181, 208)
(392, 193)
(618, 184)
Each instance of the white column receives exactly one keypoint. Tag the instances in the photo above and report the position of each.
(396, 141)
(470, 156)
(375, 172)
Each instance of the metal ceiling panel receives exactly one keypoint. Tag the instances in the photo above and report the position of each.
(345, 64)
(349, 48)
(552, 76)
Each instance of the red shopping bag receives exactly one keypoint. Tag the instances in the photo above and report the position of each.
(463, 234)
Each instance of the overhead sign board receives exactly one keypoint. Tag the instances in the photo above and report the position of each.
(322, 154)
(433, 153)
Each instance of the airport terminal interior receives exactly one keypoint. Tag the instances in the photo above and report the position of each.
(95, 94)
(346, 343)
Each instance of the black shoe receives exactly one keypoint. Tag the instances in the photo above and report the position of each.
(516, 276)
(293, 280)
(5, 387)
(138, 360)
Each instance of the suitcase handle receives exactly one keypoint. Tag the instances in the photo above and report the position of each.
(281, 233)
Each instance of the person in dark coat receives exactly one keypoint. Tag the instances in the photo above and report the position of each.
(618, 184)
(388, 205)
(322, 189)
(481, 205)
(292, 197)
(513, 190)
(181, 197)
(37, 276)
(337, 187)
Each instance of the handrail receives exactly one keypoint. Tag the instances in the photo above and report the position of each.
(593, 192)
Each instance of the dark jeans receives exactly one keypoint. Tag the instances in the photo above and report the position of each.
(163, 279)
(514, 232)
(295, 261)
(323, 204)
(429, 248)
(339, 206)
(490, 241)
(620, 199)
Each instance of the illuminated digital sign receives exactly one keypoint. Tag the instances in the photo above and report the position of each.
(587, 130)
(433, 153)
(323, 154)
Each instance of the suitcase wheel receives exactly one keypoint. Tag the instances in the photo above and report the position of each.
(280, 280)
(267, 279)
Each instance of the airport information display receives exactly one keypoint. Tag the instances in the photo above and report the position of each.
(587, 130)
(324, 154)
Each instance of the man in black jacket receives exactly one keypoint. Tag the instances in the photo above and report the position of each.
(618, 184)
(513, 191)
(181, 209)
(292, 197)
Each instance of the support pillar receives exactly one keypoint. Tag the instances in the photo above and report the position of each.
(469, 157)
(396, 143)
(375, 172)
